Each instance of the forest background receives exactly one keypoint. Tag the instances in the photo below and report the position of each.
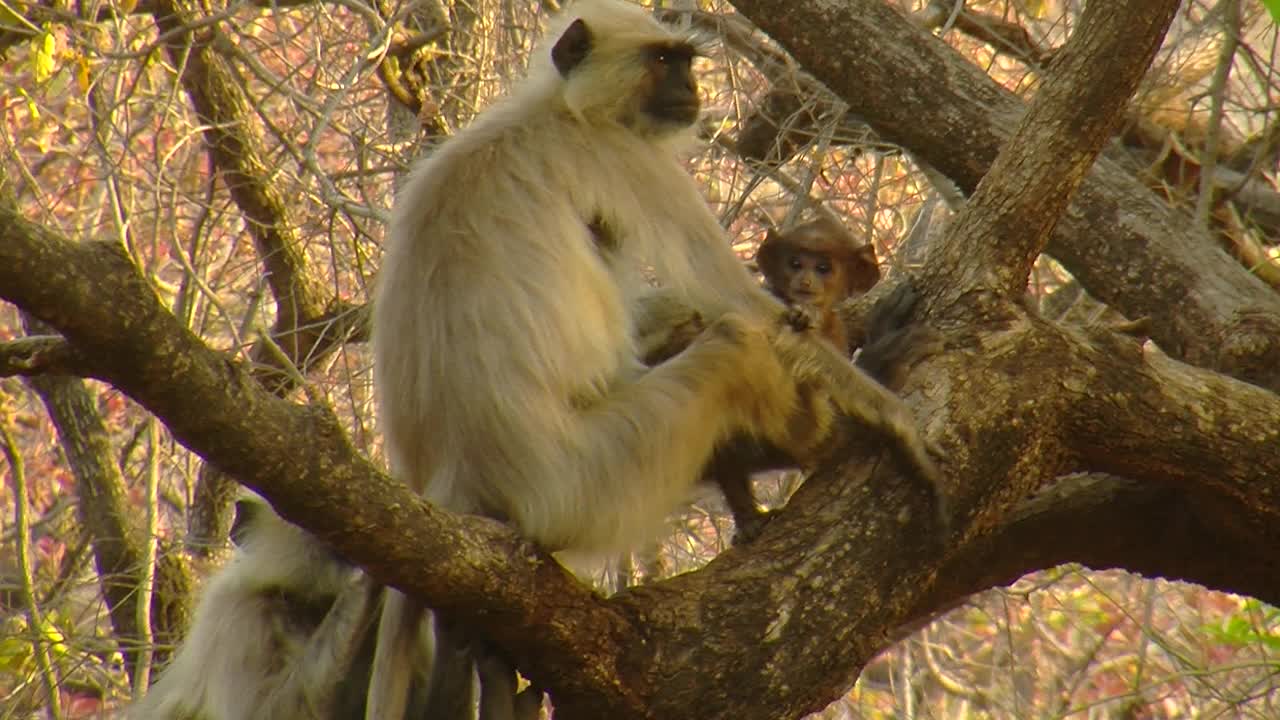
(193, 196)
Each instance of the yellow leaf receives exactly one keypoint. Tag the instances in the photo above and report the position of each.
(32, 109)
(45, 47)
(82, 74)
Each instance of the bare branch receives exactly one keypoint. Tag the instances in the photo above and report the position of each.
(41, 355)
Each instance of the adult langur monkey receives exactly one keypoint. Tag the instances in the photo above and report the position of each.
(512, 315)
(282, 632)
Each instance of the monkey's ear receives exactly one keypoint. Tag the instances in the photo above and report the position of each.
(572, 47)
(769, 257)
(863, 269)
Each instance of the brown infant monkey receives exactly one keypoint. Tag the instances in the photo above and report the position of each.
(813, 267)
(816, 266)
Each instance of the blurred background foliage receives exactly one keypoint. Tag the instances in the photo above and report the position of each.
(321, 106)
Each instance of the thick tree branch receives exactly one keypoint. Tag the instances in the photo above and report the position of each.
(1108, 522)
(919, 93)
(1212, 431)
(1008, 219)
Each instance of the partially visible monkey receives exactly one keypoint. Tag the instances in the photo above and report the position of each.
(892, 346)
(814, 266)
(280, 633)
(505, 330)
(817, 265)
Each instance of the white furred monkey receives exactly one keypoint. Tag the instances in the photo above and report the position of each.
(282, 632)
(511, 301)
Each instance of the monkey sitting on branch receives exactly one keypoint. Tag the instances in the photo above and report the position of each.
(817, 265)
(282, 632)
(893, 345)
(813, 267)
(512, 314)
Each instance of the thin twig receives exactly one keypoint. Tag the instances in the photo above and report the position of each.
(1217, 89)
(147, 583)
(35, 621)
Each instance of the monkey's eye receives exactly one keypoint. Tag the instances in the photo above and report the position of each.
(824, 268)
(679, 54)
(794, 263)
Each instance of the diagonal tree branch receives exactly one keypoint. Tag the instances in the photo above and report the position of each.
(103, 512)
(1008, 219)
(954, 117)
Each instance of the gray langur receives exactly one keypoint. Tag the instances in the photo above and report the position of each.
(282, 632)
(513, 313)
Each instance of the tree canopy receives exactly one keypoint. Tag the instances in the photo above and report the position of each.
(192, 202)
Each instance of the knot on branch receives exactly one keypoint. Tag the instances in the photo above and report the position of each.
(1249, 348)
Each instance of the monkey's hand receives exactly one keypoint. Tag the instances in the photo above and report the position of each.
(800, 318)
(664, 325)
(829, 384)
(663, 343)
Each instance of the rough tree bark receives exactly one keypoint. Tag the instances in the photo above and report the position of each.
(780, 627)
(1123, 244)
(102, 510)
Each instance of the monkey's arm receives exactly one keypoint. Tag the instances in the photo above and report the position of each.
(703, 269)
(664, 325)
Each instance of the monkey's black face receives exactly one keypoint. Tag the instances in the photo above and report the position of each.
(673, 93)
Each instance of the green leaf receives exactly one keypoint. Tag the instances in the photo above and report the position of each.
(1273, 7)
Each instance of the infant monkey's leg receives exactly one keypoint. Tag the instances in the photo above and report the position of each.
(894, 345)
(827, 384)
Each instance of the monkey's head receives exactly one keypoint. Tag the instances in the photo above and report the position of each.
(617, 64)
(817, 264)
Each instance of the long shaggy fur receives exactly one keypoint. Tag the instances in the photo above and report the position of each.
(513, 315)
(509, 376)
(280, 633)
